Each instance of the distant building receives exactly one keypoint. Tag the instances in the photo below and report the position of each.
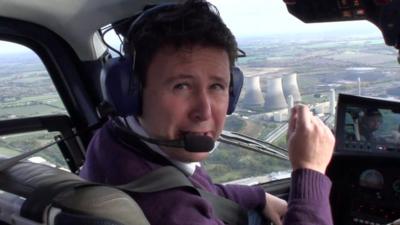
(322, 108)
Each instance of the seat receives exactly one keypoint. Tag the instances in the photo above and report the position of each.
(33, 193)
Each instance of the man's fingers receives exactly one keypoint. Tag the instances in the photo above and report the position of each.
(318, 120)
(299, 119)
(324, 127)
(304, 116)
(277, 221)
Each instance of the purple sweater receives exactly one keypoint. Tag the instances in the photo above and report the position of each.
(111, 161)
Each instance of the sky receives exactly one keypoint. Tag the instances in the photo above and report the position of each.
(9, 48)
(247, 18)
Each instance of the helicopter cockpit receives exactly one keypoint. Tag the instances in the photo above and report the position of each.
(73, 42)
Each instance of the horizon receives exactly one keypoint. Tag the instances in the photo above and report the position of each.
(260, 19)
(8, 48)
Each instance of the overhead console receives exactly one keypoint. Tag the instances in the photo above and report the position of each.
(365, 170)
(385, 14)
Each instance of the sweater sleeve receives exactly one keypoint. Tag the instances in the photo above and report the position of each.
(309, 199)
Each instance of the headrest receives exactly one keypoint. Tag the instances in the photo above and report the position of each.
(47, 190)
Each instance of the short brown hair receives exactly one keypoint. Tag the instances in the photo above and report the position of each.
(196, 22)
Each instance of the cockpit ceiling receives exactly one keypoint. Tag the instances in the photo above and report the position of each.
(75, 20)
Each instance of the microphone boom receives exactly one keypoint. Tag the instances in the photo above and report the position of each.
(190, 142)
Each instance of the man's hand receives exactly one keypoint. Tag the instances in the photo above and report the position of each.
(275, 209)
(310, 141)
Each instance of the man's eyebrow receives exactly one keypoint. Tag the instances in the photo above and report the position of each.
(180, 76)
(214, 78)
(220, 79)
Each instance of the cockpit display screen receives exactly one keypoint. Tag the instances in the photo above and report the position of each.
(367, 125)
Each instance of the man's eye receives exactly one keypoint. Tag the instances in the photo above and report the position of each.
(218, 87)
(181, 86)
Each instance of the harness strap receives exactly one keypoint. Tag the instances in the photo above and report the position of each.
(169, 177)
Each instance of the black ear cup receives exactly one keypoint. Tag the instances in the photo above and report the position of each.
(235, 88)
(121, 89)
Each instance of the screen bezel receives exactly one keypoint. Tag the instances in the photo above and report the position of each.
(344, 101)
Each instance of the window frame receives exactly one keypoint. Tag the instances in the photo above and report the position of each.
(71, 148)
(67, 72)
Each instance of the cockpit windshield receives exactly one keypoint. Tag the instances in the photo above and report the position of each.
(287, 62)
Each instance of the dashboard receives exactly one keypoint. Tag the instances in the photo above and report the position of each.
(365, 167)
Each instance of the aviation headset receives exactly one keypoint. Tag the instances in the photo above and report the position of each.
(121, 86)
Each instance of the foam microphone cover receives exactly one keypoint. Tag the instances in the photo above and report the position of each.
(198, 143)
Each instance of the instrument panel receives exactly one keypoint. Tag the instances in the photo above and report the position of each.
(366, 190)
(376, 197)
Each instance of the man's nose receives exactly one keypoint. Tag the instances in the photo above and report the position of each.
(201, 106)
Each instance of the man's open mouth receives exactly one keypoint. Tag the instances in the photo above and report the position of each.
(183, 133)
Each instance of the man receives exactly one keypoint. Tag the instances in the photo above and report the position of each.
(184, 57)
(369, 123)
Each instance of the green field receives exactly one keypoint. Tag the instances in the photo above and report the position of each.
(12, 145)
(27, 111)
(231, 163)
(37, 98)
(4, 151)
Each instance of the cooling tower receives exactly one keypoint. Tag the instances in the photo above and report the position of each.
(274, 98)
(290, 87)
(332, 102)
(253, 95)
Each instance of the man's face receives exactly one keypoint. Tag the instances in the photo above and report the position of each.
(187, 91)
(374, 122)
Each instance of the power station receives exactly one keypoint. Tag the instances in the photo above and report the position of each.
(273, 96)
(277, 95)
